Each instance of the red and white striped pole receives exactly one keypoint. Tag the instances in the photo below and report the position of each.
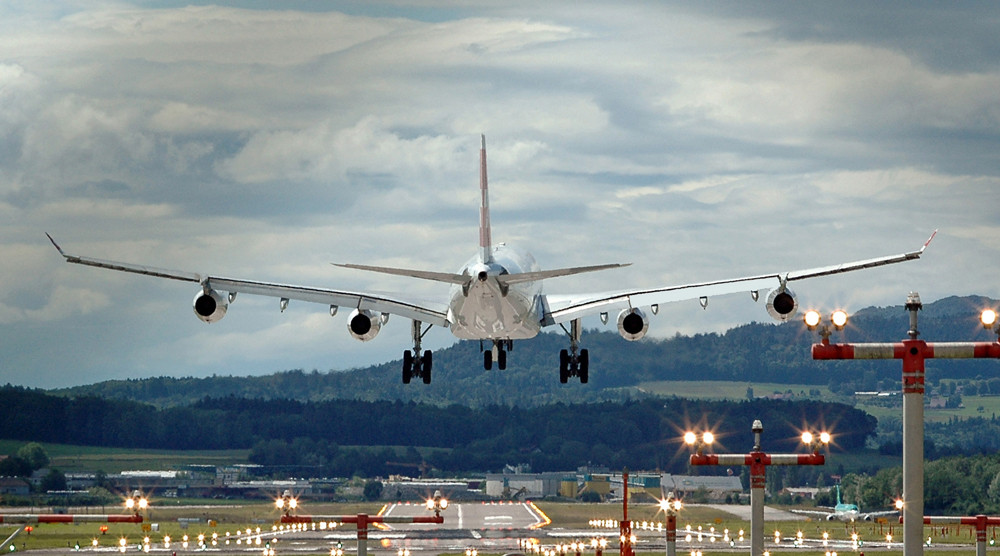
(758, 461)
(912, 352)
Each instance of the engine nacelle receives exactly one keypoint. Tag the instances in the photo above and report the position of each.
(782, 305)
(632, 324)
(210, 306)
(364, 324)
(831, 517)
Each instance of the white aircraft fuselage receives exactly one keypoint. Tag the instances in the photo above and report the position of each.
(484, 310)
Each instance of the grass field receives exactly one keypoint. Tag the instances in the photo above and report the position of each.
(720, 390)
(71, 459)
(990, 406)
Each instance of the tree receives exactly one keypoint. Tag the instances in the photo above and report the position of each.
(35, 454)
(373, 490)
(14, 466)
(55, 480)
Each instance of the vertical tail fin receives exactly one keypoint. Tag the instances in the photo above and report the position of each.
(485, 239)
(838, 495)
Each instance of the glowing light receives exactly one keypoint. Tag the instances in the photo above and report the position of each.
(839, 318)
(708, 437)
(899, 503)
(807, 437)
(988, 318)
(812, 318)
(690, 437)
(825, 437)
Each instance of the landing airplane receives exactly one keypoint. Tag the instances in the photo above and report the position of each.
(495, 297)
(847, 512)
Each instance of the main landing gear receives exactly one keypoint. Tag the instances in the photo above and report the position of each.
(414, 364)
(575, 361)
(498, 354)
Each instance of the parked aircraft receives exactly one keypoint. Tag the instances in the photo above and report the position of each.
(846, 512)
(496, 297)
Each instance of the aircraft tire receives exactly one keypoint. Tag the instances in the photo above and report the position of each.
(502, 359)
(407, 366)
(563, 366)
(428, 362)
(488, 359)
(584, 366)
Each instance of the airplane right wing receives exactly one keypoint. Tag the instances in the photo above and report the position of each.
(404, 306)
(564, 308)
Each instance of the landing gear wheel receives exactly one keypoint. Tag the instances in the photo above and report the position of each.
(427, 362)
(584, 373)
(563, 366)
(488, 359)
(502, 359)
(407, 366)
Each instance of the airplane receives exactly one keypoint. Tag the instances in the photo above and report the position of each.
(846, 512)
(495, 297)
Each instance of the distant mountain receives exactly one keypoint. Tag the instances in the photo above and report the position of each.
(752, 353)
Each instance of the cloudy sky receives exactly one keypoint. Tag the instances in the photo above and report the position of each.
(696, 140)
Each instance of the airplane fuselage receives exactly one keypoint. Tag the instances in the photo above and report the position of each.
(486, 310)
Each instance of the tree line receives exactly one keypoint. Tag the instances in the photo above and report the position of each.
(639, 434)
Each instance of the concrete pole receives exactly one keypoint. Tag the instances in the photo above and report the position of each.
(757, 482)
(362, 535)
(913, 435)
(671, 534)
(758, 479)
(981, 522)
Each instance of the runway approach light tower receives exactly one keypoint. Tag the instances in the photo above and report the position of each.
(913, 352)
(758, 462)
(288, 504)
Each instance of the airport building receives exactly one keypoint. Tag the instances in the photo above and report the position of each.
(716, 488)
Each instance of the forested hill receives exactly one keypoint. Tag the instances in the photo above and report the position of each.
(753, 353)
(639, 434)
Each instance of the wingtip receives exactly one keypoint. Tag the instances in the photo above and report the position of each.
(54, 244)
(928, 242)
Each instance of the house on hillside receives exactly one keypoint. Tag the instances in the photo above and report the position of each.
(14, 487)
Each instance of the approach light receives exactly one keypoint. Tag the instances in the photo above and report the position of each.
(988, 318)
(708, 438)
(899, 504)
(807, 438)
(825, 437)
(812, 319)
(690, 438)
(839, 319)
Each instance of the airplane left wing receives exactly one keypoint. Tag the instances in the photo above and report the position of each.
(564, 308)
(404, 306)
(812, 512)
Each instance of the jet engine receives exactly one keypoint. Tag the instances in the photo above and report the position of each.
(782, 305)
(632, 324)
(364, 324)
(209, 306)
(831, 517)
